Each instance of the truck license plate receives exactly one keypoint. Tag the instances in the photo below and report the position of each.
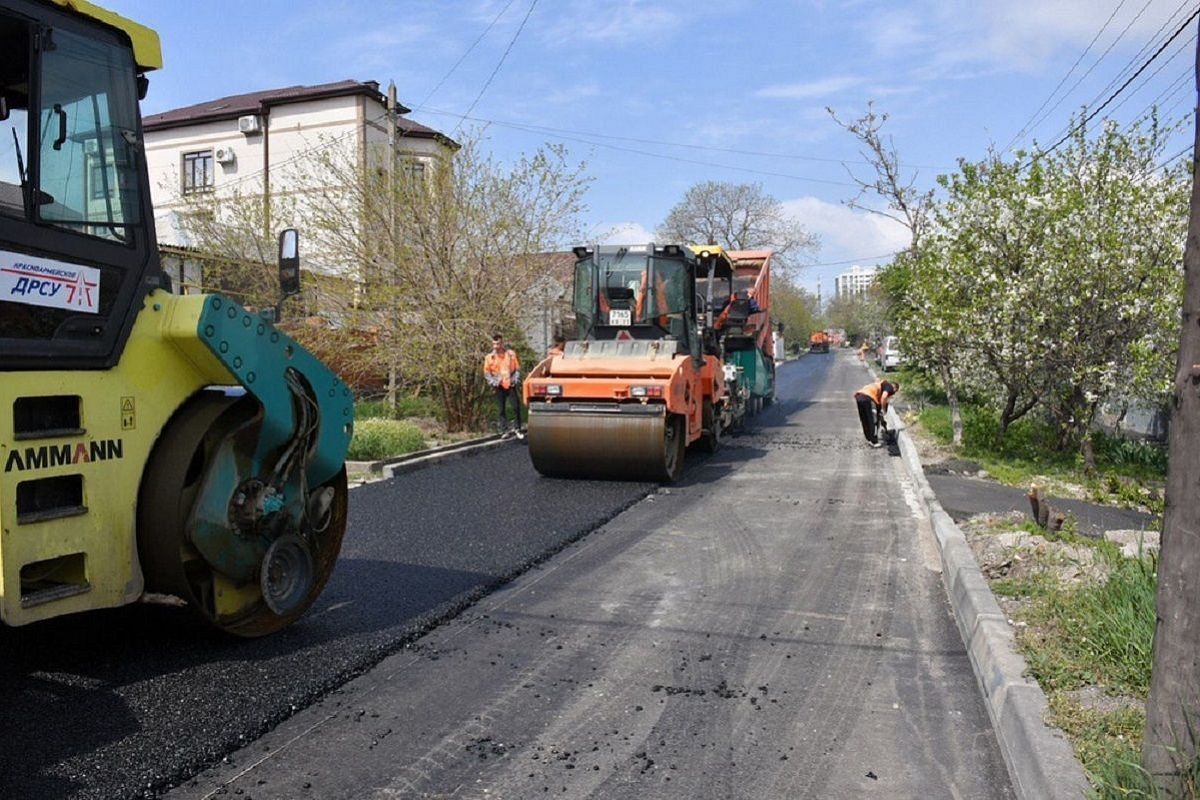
(620, 316)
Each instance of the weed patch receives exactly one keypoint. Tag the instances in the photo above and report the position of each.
(383, 438)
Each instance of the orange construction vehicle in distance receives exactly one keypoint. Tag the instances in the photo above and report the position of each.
(818, 342)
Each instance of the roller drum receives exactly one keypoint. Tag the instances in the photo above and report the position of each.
(572, 442)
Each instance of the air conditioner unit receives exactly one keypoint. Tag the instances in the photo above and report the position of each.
(249, 124)
(225, 155)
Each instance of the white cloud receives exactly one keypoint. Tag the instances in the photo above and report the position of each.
(948, 38)
(612, 21)
(810, 89)
(620, 233)
(847, 232)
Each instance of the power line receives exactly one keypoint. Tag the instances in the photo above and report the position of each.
(1143, 50)
(1185, 151)
(538, 128)
(1075, 128)
(1020, 134)
(499, 64)
(853, 260)
(468, 51)
(1161, 67)
(1134, 61)
(664, 156)
(1095, 64)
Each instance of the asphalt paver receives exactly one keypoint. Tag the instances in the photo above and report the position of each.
(773, 626)
(124, 703)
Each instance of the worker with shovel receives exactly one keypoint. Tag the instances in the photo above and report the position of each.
(872, 400)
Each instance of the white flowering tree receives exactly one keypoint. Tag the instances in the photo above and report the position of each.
(1055, 277)
(1114, 271)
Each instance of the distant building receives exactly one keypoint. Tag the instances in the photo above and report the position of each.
(252, 141)
(854, 281)
(548, 311)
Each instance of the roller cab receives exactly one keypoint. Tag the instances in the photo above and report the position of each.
(149, 443)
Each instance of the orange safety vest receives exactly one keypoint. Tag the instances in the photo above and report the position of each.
(502, 365)
(873, 391)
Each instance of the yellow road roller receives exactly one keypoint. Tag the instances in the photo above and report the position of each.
(150, 443)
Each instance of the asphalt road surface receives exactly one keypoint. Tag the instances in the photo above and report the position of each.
(124, 703)
(772, 627)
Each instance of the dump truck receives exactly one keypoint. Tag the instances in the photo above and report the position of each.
(151, 443)
(818, 342)
(644, 379)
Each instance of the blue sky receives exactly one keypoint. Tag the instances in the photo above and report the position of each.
(688, 76)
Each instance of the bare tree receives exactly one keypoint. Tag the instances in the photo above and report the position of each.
(906, 204)
(737, 216)
(911, 207)
(437, 264)
(408, 271)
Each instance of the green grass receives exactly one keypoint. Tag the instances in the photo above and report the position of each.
(406, 407)
(1108, 745)
(1091, 634)
(1094, 634)
(382, 438)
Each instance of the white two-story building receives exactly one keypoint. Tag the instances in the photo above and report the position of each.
(252, 143)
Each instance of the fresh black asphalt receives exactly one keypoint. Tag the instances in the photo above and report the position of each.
(964, 497)
(121, 704)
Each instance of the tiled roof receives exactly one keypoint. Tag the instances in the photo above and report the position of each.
(239, 105)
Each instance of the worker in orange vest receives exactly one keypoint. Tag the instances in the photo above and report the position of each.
(502, 371)
(873, 399)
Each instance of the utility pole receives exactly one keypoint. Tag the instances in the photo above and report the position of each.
(1173, 707)
(393, 125)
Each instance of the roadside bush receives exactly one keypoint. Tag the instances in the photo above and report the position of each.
(381, 438)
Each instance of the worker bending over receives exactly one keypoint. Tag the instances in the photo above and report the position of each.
(502, 371)
(873, 399)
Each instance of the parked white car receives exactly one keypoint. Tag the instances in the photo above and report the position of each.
(888, 355)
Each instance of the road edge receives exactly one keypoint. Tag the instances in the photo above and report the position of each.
(1041, 762)
(398, 465)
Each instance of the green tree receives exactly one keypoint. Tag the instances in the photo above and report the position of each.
(795, 307)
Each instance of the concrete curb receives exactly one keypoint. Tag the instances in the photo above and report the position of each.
(391, 467)
(1040, 760)
(415, 461)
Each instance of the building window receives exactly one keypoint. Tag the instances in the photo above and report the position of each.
(198, 172)
(414, 171)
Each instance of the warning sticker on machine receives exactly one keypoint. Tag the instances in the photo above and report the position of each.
(45, 282)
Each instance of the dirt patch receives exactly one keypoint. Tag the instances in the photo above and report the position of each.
(1006, 554)
(1093, 698)
(956, 466)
